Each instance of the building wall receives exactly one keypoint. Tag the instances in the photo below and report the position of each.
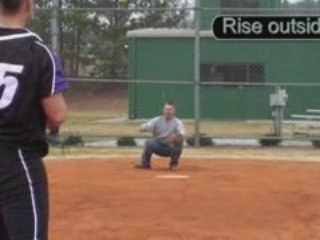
(172, 59)
(160, 59)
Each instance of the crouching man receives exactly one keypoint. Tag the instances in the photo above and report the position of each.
(168, 136)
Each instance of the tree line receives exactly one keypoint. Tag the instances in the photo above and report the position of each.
(93, 43)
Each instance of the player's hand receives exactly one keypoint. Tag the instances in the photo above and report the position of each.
(175, 139)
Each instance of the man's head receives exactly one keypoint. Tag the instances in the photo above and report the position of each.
(169, 110)
(16, 11)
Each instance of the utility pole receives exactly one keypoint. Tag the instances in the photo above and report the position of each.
(197, 48)
(55, 34)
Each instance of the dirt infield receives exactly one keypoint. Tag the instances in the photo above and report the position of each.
(221, 200)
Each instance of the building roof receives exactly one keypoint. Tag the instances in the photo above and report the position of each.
(166, 33)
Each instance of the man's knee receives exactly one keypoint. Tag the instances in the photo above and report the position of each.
(177, 149)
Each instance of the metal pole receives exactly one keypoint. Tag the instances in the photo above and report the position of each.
(278, 102)
(55, 27)
(197, 48)
(278, 115)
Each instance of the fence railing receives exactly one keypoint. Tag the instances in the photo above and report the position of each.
(224, 87)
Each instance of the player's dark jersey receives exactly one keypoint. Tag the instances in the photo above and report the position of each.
(28, 73)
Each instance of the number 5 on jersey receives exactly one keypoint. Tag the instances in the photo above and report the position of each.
(9, 83)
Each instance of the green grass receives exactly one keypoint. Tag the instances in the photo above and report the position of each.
(89, 124)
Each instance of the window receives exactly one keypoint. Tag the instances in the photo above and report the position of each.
(236, 4)
(233, 73)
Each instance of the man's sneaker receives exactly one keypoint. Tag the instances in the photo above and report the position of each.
(140, 166)
(174, 168)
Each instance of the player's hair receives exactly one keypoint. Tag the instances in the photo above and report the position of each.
(10, 6)
(170, 103)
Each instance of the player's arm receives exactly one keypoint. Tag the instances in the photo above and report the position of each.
(55, 110)
(52, 84)
(145, 128)
(148, 127)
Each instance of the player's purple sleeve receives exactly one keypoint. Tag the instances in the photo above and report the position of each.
(61, 85)
(51, 75)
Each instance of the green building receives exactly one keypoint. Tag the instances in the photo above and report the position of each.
(168, 54)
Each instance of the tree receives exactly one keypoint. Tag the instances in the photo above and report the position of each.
(301, 4)
(94, 42)
(41, 20)
(285, 4)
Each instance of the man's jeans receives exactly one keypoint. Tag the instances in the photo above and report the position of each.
(155, 146)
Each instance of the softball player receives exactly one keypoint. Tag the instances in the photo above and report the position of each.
(168, 133)
(31, 83)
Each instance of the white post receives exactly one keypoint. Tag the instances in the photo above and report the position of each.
(55, 27)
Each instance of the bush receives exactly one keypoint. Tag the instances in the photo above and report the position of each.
(316, 143)
(73, 140)
(270, 141)
(126, 142)
(205, 141)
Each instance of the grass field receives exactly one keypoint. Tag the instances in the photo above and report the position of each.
(106, 114)
(116, 124)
